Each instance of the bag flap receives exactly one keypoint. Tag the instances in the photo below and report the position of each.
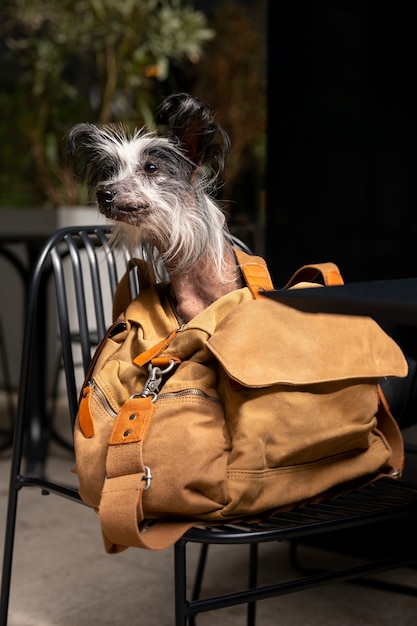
(262, 342)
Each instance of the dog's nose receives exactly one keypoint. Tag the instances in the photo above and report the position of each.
(106, 195)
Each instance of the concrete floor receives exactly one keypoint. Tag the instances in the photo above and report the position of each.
(63, 577)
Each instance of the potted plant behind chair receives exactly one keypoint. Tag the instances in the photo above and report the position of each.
(84, 61)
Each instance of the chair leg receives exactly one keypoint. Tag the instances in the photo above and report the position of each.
(9, 538)
(8, 390)
(253, 581)
(199, 577)
(8, 552)
(180, 583)
(200, 571)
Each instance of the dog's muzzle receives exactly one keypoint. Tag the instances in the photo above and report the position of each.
(113, 205)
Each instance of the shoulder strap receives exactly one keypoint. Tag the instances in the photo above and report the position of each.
(255, 272)
(123, 296)
(329, 272)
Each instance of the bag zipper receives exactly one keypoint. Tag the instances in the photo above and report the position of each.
(102, 399)
(192, 391)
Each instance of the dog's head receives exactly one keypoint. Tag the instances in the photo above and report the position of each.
(128, 171)
(159, 182)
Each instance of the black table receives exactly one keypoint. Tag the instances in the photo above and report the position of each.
(392, 300)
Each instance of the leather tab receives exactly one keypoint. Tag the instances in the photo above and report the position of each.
(84, 413)
(255, 272)
(133, 421)
(164, 361)
(149, 355)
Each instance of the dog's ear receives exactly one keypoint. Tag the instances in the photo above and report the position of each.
(191, 124)
(79, 149)
(90, 152)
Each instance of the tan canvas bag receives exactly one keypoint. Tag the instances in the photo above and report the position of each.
(250, 407)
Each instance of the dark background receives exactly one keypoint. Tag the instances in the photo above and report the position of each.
(342, 138)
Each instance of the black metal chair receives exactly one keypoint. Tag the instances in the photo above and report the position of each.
(79, 271)
(6, 433)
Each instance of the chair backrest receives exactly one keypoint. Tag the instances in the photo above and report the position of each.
(80, 270)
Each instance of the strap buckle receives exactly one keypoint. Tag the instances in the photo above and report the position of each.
(147, 477)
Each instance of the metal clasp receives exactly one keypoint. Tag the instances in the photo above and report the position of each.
(151, 387)
(153, 382)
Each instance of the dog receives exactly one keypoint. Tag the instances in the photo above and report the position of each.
(158, 186)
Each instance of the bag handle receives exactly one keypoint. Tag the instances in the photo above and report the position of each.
(254, 269)
(329, 273)
(258, 278)
(122, 296)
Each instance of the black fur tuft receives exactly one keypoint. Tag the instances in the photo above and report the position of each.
(191, 124)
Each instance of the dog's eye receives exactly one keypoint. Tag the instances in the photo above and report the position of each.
(150, 168)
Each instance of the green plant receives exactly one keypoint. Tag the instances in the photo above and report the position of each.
(232, 77)
(86, 60)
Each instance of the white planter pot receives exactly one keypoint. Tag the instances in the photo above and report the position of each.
(79, 216)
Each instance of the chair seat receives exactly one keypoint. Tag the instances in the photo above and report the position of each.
(383, 500)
